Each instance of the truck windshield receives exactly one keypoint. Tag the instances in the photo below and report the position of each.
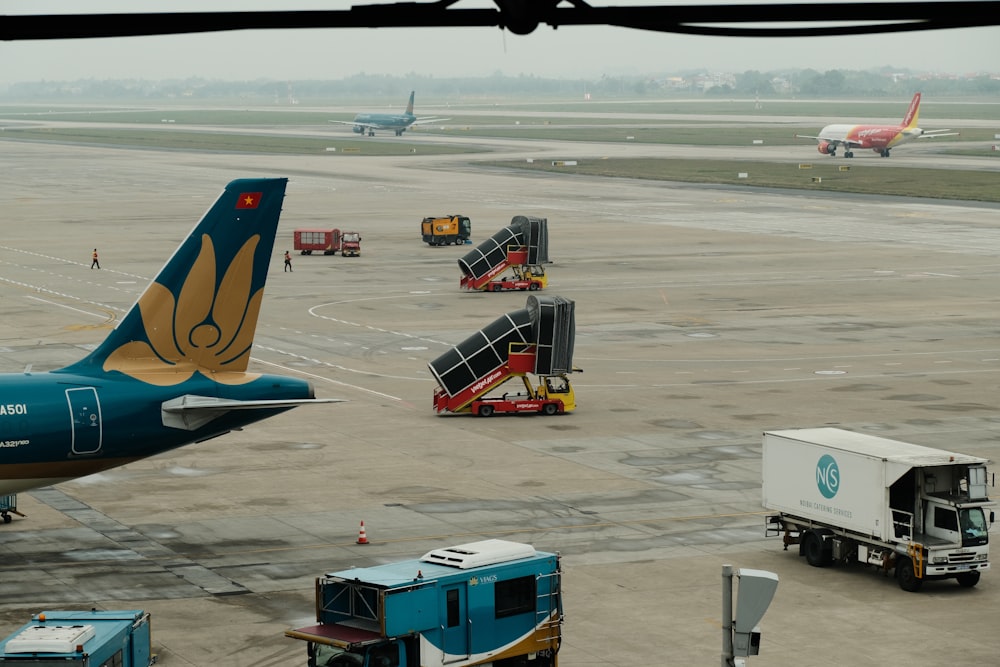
(973, 523)
(557, 384)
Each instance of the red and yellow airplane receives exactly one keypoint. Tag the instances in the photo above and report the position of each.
(879, 138)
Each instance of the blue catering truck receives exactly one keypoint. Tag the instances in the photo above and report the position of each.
(493, 602)
(83, 638)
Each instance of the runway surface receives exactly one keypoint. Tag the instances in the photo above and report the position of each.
(704, 317)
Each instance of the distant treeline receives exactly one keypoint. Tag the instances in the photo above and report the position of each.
(875, 84)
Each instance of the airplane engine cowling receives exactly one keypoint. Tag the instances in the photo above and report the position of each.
(826, 148)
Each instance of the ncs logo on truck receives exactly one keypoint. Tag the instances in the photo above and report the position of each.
(827, 476)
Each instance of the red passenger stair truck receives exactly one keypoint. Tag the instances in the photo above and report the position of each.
(522, 246)
(534, 344)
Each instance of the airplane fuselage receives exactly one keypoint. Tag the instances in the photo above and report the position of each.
(397, 122)
(873, 137)
(59, 426)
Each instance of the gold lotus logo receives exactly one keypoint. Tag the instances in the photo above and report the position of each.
(211, 332)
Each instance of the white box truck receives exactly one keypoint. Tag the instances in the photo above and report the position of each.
(844, 496)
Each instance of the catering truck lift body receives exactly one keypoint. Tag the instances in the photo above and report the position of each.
(493, 602)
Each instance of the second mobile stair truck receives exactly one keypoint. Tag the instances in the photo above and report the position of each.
(910, 510)
(522, 246)
(535, 342)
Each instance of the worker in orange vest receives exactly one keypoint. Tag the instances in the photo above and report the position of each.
(288, 261)
(94, 261)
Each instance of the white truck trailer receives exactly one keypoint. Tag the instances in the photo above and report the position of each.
(844, 496)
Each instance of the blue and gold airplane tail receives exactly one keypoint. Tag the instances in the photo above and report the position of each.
(409, 105)
(199, 315)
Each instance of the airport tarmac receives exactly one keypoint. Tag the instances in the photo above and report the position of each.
(704, 316)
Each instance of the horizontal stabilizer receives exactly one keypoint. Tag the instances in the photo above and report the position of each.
(425, 121)
(376, 126)
(191, 412)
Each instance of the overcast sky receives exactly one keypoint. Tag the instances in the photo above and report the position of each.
(577, 52)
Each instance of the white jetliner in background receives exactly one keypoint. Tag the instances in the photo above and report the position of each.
(879, 138)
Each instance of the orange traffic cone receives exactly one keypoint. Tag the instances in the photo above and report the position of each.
(362, 537)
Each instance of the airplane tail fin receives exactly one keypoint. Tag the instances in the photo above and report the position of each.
(200, 313)
(409, 105)
(912, 114)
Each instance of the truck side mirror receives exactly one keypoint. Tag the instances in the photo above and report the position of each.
(991, 517)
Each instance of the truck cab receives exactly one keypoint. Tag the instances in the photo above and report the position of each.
(957, 525)
(956, 538)
(391, 653)
(558, 387)
(350, 244)
(529, 277)
(945, 529)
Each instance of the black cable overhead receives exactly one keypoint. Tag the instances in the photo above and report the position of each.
(522, 17)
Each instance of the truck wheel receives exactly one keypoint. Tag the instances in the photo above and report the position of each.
(551, 408)
(532, 287)
(968, 579)
(485, 410)
(814, 550)
(906, 577)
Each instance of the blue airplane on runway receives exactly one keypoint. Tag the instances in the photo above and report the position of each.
(367, 123)
(174, 370)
